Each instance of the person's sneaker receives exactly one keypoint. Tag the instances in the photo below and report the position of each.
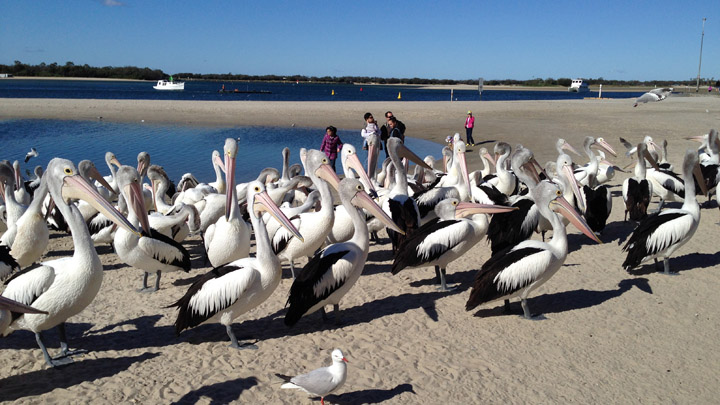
(472, 145)
(467, 144)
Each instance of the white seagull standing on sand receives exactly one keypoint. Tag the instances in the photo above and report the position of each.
(321, 381)
(654, 95)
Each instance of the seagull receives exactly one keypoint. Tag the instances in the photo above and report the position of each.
(321, 381)
(654, 95)
(33, 153)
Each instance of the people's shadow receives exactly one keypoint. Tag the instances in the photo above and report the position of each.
(374, 396)
(43, 381)
(219, 393)
(572, 300)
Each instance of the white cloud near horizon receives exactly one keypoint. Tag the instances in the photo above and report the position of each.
(112, 3)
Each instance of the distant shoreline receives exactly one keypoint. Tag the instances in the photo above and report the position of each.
(421, 86)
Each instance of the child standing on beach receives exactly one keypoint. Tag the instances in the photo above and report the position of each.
(331, 145)
(371, 127)
(469, 124)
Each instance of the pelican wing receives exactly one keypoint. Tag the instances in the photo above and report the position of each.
(655, 234)
(282, 236)
(212, 293)
(507, 229)
(165, 250)
(507, 272)
(26, 286)
(430, 242)
(326, 272)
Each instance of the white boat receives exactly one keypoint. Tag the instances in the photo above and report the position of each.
(169, 85)
(578, 86)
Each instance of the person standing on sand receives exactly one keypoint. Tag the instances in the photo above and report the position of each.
(371, 128)
(386, 130)
(469, 125)
(331, 145)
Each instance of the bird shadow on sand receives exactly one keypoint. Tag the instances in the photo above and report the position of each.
(373, 396)
(219, 393)
(43, 381)
(690, 261)
(569, 300)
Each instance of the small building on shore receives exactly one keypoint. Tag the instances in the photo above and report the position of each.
(5, 75)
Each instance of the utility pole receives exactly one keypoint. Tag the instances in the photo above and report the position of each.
(697, 84)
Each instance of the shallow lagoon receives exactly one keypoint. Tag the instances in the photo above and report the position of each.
(179, 149)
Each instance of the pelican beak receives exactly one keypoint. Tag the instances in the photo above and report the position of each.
(95, 175)
(373, 153)
(220, 163)
(17, 179)
(136, 202)
(650, 159)
(538, 169)
(51, 206)
(629, 165)
(263, 202)
(115, 162)
(141, 167)
(354, 163)
(466, 209)
(14, 306)
(154, 194)
(75, 187)
(570, 148)
(563, 207)
(700, 179)
(464, 169)
(326, 173)
(363, 200)
(603, 144)
(404, 152)
(530, 169)
(570, 176)
(653, 146)
(229, 168)
(697, 138)
(490, 158)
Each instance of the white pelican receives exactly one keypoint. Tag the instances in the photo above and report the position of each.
(478, 176)
(14, 210)
(504, 180)
(637, 191)
(112, 193)
(447, 237)
(228, 239)
(587, 175)
(518, 270)
(63, 287)
(314, 226)
(658, 94)
(397, 204)
(659, 235)
(229, 291)
(9, 307)
(22, 195)
(333, 271)
(322, 381)
(178, 223)
(150, 251)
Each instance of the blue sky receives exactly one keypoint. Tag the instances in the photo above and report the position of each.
(626, 40)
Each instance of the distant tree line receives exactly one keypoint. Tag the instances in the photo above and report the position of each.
(69, 69)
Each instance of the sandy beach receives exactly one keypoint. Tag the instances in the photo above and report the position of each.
(607, 336)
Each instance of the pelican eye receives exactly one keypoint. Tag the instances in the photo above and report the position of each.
(558, 193)
(68, 171)
(325, 161)
(257, 189)
(454, 203)
(359, 187)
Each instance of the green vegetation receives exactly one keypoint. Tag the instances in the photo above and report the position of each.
(69, 69)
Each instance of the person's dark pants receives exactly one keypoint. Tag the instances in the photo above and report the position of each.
(332, 163)
(468, 136)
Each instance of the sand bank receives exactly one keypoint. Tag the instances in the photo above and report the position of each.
(608, 337)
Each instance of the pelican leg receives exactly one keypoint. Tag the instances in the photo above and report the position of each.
(526, 308)
(64, 352)
(49, 360)
(443, 284)
(323, 314)
(292, 269)
(144, 287)
(666, 268)
(336, 311)
(157, 280)
(234, 342)
(506, 307)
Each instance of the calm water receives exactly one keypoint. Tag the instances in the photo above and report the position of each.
(205, 90)
(178, 149)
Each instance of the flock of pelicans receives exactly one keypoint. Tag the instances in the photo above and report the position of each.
(432, 216)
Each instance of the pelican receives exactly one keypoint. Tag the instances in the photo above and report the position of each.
(587, 175)
(314, 226)
(659, 235)
(22, 195)
(14, 210)
(178, 223)
(397, 204)
(654, 95)
(228, 239)
(518, 270)
(9, 307)
(478, 176)
(332, 272)
(637, 190)
(149, 251)
(113, 192)
(229, 291)
(447, 237)
(63, 287)
(505, 181)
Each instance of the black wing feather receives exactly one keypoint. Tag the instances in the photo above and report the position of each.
(636, 245)
(183, 263)
(407, 255)
(484, 287)
(505, 229)
(302, 296)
